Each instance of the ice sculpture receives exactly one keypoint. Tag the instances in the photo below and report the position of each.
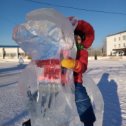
(47, 89)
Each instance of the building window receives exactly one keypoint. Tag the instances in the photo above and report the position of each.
(12, 55)
(114, 39)
(115, 46)
(124, 37)
(124, 45)
(119, 45)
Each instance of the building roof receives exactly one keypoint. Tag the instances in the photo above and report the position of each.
(116, 33)
(9, 46)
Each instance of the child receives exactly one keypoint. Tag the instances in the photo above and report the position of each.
(84, 36)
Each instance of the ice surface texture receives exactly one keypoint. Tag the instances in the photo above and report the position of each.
(50, 103)
(44, 34)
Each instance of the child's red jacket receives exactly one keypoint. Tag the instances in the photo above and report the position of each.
(82, 55)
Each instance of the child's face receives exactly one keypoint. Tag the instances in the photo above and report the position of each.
(78, 39)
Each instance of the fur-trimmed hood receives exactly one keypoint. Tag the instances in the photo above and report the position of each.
(88, 32)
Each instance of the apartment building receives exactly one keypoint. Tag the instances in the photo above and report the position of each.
(116, 44)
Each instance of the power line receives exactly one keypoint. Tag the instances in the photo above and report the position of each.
(79, 9)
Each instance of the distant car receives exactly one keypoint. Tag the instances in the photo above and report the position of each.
(121, 53)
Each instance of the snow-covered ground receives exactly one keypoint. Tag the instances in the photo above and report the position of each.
(108, 75)
(110, 78)
(12, 111)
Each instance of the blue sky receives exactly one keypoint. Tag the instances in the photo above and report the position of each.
(12, 12)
